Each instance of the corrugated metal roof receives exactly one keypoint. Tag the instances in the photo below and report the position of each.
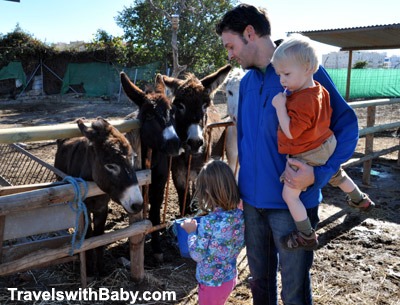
(359, 38)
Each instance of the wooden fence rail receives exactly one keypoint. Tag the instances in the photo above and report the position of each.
(60, 192)
(51, 132)
(369, 131)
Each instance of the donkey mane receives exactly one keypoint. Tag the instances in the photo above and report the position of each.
(190, 84)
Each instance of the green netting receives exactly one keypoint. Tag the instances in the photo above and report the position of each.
(13, 70)
(368, 83)
(146, 72)
(100, 79)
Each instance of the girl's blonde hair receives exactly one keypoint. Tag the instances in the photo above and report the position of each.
(299, 48)
(216, 187)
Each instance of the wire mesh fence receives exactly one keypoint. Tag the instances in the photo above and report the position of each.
(20, 167)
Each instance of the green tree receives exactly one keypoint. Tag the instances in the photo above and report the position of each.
(113, 46)
(22, 46)
(360, 65)
(148, 30)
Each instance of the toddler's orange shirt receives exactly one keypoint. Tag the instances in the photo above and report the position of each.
(310, 116)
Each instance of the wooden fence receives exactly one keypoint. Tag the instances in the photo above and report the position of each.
(29, 210)
(369, 131)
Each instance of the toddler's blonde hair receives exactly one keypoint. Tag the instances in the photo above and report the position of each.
(297, 47)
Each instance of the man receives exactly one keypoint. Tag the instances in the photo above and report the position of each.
(246, 34)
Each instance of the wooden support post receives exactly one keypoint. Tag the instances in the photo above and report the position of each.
(398, 155)
(166, 195)
(348, 81)
(369, 145)
(187, 187)
(82, 255)
(136, 251)
(82, 260)
(146, 187)
(2, 225)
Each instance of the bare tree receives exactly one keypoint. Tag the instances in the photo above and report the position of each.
(174, 19)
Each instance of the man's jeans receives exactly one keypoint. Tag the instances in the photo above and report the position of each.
(263, 230)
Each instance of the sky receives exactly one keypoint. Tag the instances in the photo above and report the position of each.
(54, 21)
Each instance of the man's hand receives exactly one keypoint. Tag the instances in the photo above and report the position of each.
(301, 178)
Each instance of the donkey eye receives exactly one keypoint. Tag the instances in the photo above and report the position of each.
(150, 116)
(112, 169)
(181, 108)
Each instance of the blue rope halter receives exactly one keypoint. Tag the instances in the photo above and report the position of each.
(80, 208)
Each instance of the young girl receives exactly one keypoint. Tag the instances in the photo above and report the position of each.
(220, 234)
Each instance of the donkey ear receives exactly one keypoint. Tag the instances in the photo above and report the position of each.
(82, 127)
(86, 131)
(214, 80)
(160, 85)
(172, 83)
(134, 93)
(99, 130)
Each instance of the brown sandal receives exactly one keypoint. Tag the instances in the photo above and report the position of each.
(364, 205)
(297, 240)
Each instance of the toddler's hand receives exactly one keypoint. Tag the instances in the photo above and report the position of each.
(189, 225)
(279, 100)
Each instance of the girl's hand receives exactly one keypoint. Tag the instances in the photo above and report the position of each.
(189, 225)
(279, 100)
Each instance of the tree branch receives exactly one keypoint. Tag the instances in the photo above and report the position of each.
(176, 68)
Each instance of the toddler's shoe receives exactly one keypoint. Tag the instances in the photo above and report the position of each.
(297, 240)
(365, 205)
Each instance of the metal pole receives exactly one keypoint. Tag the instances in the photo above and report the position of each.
(41, 76)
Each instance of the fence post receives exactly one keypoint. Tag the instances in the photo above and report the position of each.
(136, 251)
(398, 152)
(369, 145)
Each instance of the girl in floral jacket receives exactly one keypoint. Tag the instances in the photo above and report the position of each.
(217, 240)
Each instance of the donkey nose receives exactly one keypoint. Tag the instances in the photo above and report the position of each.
(172, 146)
(195, 144)
(132, 199)
(136, 207)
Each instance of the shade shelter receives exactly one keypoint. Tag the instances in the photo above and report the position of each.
(375, 37)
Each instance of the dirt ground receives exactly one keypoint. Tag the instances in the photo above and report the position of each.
(358, 261)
